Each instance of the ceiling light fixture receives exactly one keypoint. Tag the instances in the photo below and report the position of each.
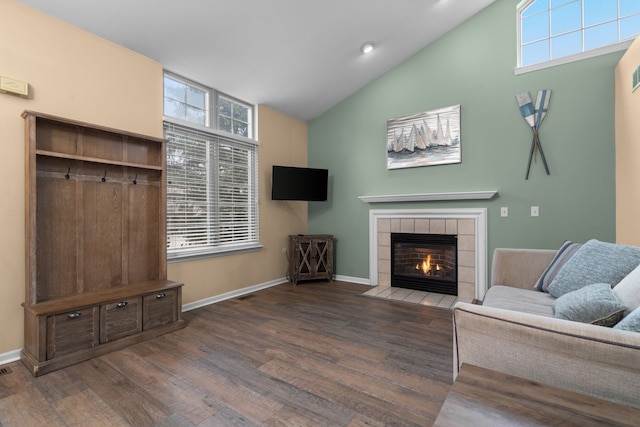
(367, 47)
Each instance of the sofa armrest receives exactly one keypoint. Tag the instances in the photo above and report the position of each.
(519, 268)
(592, 360)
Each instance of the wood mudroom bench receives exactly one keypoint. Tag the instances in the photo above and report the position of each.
(95, 242)
(69, 330)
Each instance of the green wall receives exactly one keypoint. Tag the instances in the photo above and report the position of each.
(473, 66)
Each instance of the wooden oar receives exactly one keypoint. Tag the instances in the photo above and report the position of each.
(544, 161)
(533, 147)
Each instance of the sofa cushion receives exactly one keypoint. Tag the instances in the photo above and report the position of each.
(631, 322)
(521, 300)
(628, 291)
(594, 304)
(595, 262)
(565, 252)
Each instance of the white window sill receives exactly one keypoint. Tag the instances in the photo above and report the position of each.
(211, 253)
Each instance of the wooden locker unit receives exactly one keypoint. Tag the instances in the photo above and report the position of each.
(95, 241)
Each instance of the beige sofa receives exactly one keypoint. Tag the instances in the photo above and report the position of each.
(514, 331)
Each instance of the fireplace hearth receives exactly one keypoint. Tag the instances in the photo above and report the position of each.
(425, 262)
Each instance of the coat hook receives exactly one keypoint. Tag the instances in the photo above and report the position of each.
(104, 178)
(67, 174)
(135, 180)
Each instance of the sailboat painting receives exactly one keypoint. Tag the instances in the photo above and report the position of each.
(424, 139)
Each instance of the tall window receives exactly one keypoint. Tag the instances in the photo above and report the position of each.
(212, 183)
(553, 29)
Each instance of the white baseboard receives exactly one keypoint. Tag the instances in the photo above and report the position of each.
(233, 294)
(9, 356)
(358, 280)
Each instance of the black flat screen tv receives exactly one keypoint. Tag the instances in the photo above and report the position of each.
(293, 183)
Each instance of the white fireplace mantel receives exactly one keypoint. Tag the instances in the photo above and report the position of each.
(422, 197)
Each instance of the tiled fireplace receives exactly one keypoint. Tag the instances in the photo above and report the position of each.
(469, 225)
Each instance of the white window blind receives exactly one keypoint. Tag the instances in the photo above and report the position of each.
(212, 187)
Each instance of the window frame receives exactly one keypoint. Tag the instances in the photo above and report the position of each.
(602, 50)
(220, 136)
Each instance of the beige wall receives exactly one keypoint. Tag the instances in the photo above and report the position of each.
(72, 74)
(77, 75)
(627, 149)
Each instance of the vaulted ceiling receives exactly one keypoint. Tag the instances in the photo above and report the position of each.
(300, 57)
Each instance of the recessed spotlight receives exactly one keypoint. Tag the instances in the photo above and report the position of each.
(367, 47)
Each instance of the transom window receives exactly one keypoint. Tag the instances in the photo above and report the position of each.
(234, 116)
(185, 101)
(212, 181)
(193, 103)
(553, 29)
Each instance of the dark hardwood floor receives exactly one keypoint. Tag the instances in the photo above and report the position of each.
(316, 354)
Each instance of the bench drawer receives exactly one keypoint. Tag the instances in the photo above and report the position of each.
(72, 331)
(159, 308)
(120, 319)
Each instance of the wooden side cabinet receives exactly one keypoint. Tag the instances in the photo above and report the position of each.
(95, 237)
(310, 257)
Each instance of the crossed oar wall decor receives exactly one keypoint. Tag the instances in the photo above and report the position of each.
(534, 117)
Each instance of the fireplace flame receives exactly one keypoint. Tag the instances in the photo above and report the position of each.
(425, 267)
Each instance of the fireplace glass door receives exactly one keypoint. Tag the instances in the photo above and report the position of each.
(426, 262)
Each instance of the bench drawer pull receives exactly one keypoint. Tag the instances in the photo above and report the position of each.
(74, 315)
(122, 304)
(161, 295)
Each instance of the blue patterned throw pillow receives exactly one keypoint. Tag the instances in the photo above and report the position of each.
(595, 262)
(563, 255)
(594, 304)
